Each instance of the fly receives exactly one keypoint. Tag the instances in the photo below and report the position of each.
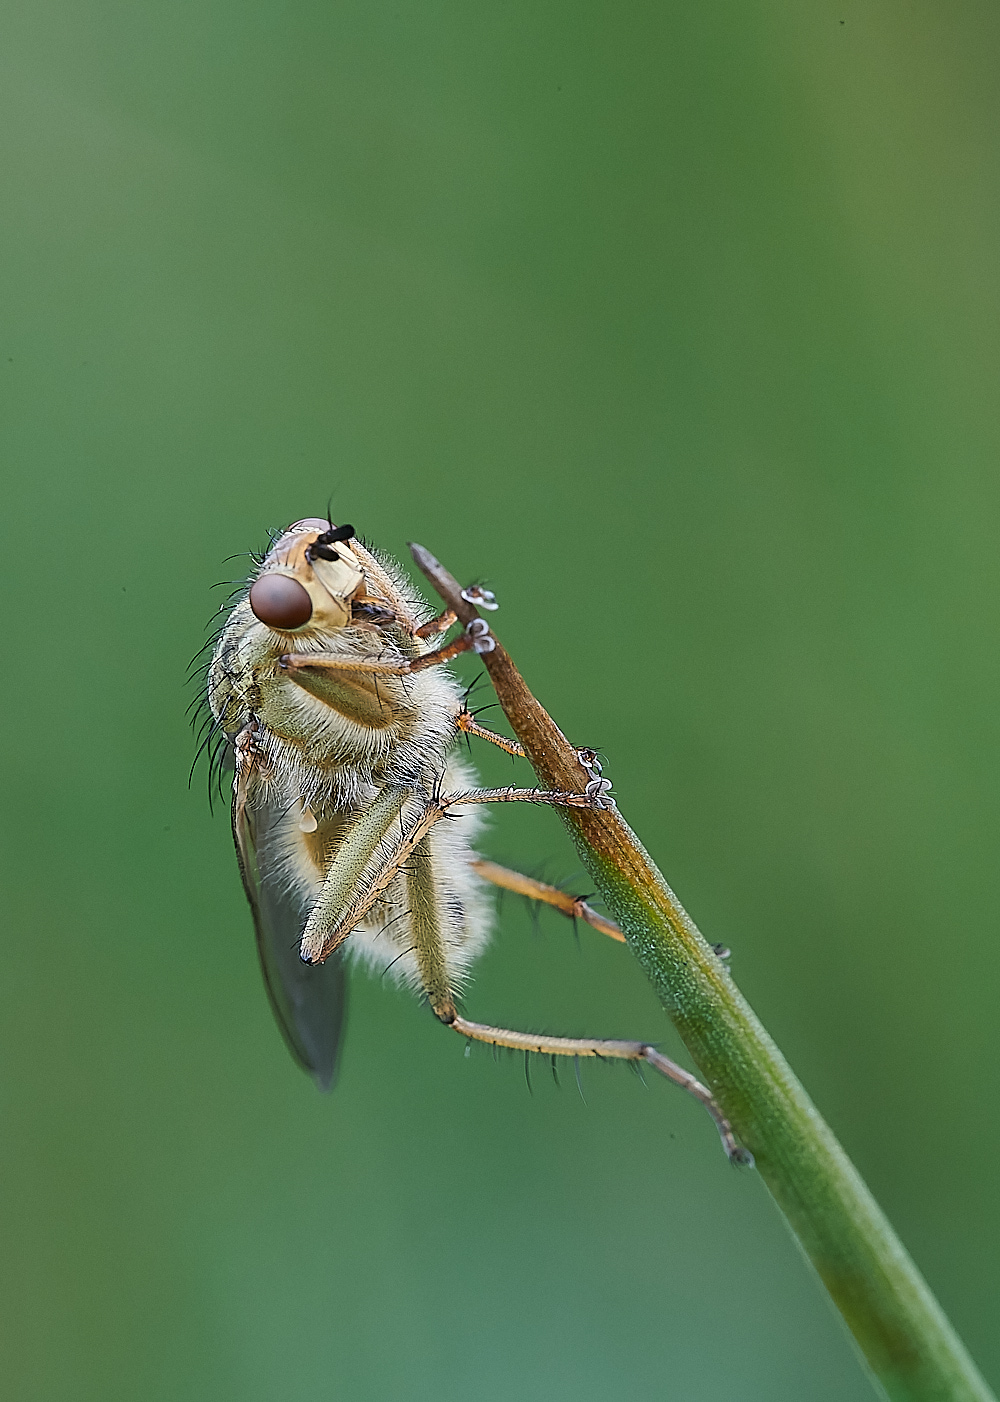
(355, 824)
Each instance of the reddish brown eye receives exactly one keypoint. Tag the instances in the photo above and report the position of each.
(280, 602)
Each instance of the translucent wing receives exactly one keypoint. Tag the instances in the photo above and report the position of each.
(309, 1001)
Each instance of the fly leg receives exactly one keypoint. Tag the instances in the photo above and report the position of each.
(529, 1042)
(595, 788)
(245, 753)
(335, 914)
(441, 624)
(425, 929)
(468, 726)
(575, 907)
(331, 921)
(353, 858)
(474, 638)
(429, 950)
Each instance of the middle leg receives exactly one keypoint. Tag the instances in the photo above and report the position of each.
(575, 907)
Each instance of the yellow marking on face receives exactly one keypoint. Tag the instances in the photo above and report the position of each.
(330, 584)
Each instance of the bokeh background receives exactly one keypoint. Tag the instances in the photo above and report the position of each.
(678, 325)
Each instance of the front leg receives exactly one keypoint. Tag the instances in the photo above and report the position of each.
(475, 638)
(440, 624)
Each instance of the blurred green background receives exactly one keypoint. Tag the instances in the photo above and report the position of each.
(676, 323)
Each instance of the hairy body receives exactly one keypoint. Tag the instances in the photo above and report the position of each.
(316, 749)
(341, 716)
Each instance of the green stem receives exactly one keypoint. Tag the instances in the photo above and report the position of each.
(892, 1314)
(898, 1324)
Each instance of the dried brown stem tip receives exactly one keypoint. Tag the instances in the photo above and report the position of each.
(553, 757)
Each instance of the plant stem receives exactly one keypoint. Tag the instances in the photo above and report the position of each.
(896, 1321)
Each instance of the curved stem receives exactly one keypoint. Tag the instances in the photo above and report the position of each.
(899, 1326)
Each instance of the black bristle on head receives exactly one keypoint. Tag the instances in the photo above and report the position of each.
(335, 534)
(316, 551)
(320, 548)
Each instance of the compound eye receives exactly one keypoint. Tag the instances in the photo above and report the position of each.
(280, 602)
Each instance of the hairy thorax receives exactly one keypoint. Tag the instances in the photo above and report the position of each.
(330, 738)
